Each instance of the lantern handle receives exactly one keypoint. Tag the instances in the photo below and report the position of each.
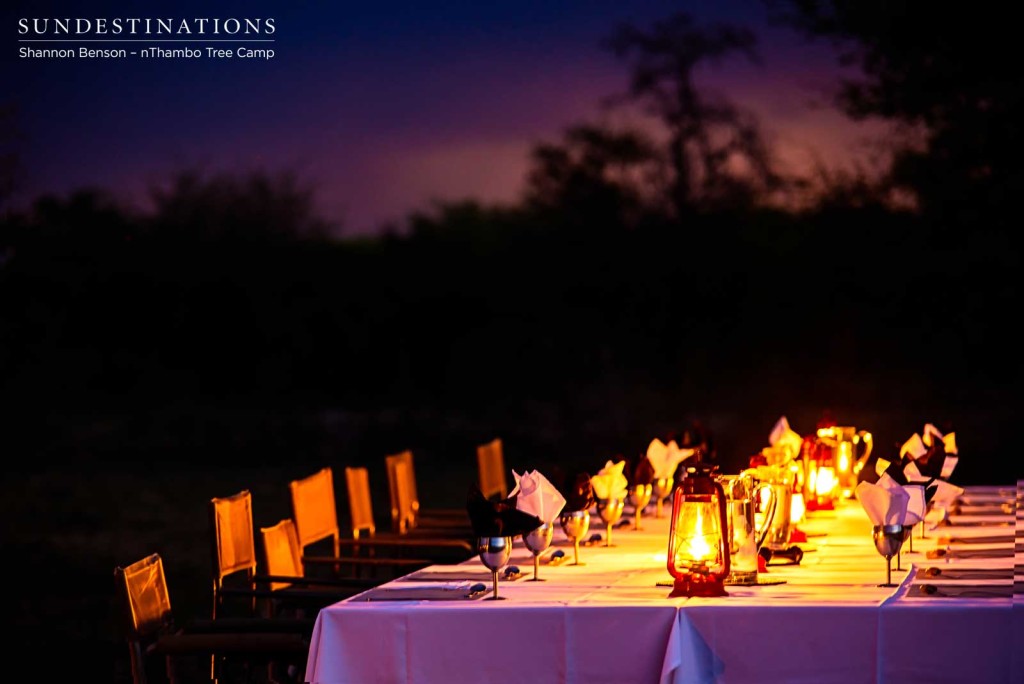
(869, 444)
(677, 494)
(769, 515)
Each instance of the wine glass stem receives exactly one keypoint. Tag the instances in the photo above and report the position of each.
(576, 550)
(608, 529)
(911, 540)
(494, 579)
(636, 525)
(536, 566)
(657, 512)
(888, 575)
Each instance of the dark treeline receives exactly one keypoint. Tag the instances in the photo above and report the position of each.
(485, 309)
(635, 284)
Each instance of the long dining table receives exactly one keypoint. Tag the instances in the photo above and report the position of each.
(956, 613)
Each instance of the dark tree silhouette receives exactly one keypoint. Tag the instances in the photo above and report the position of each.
(716, 151)
(950, 79)
(596, 176)
(254, 207)
(9, 162)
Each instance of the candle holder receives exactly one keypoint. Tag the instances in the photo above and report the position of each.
(698, 553)
(821, 481)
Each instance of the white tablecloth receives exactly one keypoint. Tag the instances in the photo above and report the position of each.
(608, 621)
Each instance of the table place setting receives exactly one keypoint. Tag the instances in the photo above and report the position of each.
(974, 590)
(496, 524)
(535, 495)
(447, 591)
(689, 590)
(446, 573)
(966, 573)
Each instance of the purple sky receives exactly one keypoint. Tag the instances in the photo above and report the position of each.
(384, 109)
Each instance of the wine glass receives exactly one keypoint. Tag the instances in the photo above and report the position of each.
(610, 510)
(575, 524)
(662, 488)
(888, 540)
(537, 540)
(494, 554)
(641, 495)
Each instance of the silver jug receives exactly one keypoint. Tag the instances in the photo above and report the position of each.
(743, 492)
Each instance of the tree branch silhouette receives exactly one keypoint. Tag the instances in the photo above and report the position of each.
(717, 153)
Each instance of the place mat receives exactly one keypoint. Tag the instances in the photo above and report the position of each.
(978, 509)
(925, 590)
(1003, 521)
(1000, 539)
(991, 502)
(469, 575)
(967, 573)
(423, 593)
(970, 553)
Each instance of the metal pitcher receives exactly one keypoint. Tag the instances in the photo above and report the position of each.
(743, 492)
(774, 511)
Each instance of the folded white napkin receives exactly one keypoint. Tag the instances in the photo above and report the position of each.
(945, 493)
(914, 447)
(930, 433)
(949, 441)
(784, 436)
(884, 504)
(537, 496)
(609, 482)
(881, 465)
(947, 466)
(665, 458)
(916, 506)
(913, 473)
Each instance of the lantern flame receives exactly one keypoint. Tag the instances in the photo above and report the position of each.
(824, 482)
(844, 457)
(797, 508)
(698, 544)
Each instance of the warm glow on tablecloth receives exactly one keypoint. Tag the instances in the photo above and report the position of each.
(611, 621)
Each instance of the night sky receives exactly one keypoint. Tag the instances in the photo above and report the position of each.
(383, 107)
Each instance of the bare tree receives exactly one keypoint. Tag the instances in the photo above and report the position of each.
(949, 81)
(596, 173)
(717, 153)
